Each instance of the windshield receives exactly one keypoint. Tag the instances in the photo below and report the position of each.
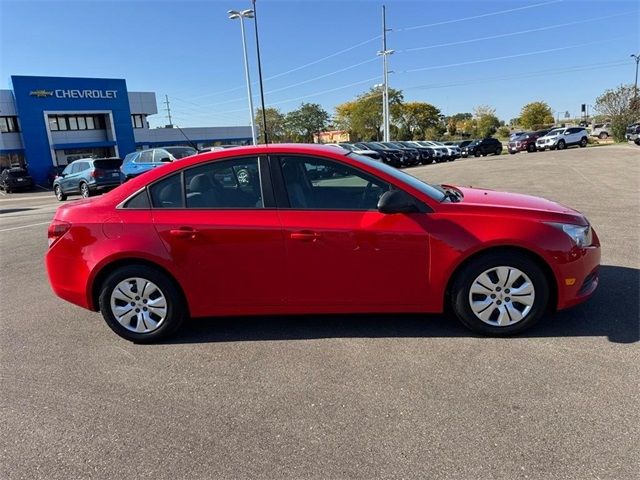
(181, 152)
(423, 187)
(438, 143)
(557, 131)
(346, 146)
(18, 173)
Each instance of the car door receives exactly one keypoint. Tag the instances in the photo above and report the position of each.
(72, 181)
(223, 235)
(340, 250)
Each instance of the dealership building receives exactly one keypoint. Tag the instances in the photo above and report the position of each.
(50, 121)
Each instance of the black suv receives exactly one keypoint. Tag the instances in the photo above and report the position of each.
(16, 178)
(484, 147)
(412, 154)
(393, 157)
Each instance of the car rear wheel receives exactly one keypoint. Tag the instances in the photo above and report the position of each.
(561, 145)
(499, 151)
(477, 153)
(531, 148)
(603, 135)
(500, 294)
(84, 190)
(59, 194)
(583, 142)
(141, 304)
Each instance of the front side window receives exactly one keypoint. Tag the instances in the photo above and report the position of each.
(160, 155)
(322, 184)
(181, 152)
(145, 157)
(224, 184)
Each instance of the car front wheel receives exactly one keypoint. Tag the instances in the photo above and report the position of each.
(141, 304)
(561, 145)
(59, 194)
(500, 294)
(583, 142)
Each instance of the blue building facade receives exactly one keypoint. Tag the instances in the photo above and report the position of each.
(47, 122)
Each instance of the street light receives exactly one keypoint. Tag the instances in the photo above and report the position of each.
(234, 14)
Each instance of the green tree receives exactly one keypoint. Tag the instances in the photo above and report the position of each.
(487, 125)
(276, 130)
(503, 132)
(414, 118)
(617, 105)
(535, 115)
(307, 120)
(363, 116)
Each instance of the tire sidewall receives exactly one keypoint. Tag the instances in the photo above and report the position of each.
(465, 278)
(176, 310)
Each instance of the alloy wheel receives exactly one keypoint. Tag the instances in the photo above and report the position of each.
(502, 296)
(84, 190)
(138, 305)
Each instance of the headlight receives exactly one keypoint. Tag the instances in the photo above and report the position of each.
(580, 234)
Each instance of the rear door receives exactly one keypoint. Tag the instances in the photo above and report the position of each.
(219, 225)
(142, 163)
(340, 250)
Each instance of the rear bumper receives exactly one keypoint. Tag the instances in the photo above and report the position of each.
(68, 275)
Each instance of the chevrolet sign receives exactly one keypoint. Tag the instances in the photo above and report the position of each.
(97, 94)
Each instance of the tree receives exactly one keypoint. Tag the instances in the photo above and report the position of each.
(302, 123)
(616, 105)
(363, 116)
(414, 118)
(486, 121)
(487, 125)
(535, 115)
(276, 130)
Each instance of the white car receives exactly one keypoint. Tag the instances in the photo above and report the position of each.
(440, 152)
(352, 148)
(562, 138)
(601, 130)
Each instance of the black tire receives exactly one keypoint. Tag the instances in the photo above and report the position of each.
(85, 191)
(477, 153)
(531, 148)
(561, 145)
(465, 278)
(603, 135)
(498, 151)
(176, 309)
(512, 153)
(583, 142)
(59, 194)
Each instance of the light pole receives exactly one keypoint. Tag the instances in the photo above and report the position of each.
(635, 85)
(234, 14)
(385, 77)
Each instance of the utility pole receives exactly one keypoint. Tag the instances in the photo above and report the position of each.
(385, 78)
(635, 85)
(264, 112)
(168, 110)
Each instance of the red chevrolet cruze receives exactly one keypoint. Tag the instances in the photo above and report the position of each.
(284, 229)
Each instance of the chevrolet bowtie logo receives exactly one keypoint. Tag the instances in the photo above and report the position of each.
(41, 93)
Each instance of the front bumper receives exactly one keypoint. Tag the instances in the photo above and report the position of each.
(578, 276)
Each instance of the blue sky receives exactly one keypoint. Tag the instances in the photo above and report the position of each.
(453, 54)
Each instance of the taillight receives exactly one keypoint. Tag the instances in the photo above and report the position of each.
(56, 230)
(97, 173)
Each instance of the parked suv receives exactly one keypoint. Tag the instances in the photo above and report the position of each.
(87, 176)
(391, 156)
(601, 130)
(16, 178)
(139, 162)
(562, 138)
(483, 147)
(526, 141)
(632, 133)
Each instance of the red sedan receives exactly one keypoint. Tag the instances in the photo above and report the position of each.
(294, 229)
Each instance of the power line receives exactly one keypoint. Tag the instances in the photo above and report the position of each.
(484, 15)
(511, 34)
(505, 57)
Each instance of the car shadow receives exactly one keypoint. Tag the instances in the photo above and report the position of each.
(14, 210)
(613, 312)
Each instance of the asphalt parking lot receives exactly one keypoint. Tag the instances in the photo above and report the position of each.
(384, 396)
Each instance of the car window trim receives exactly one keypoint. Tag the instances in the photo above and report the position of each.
(283, 197)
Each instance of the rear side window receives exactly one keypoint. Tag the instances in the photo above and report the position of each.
(227, 184)
(167, 193)
(145, 157)
(108, 164)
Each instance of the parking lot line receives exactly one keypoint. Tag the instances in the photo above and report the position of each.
(24, 226)
(16, 199)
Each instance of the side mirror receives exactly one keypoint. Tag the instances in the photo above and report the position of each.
(165, 159)
(397, 201)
